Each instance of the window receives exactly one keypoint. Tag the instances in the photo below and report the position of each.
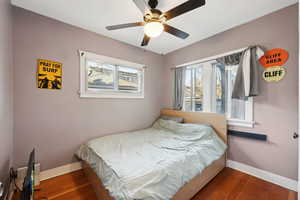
(208, 88)
(105, 77)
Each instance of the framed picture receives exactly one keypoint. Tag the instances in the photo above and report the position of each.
(49, 74)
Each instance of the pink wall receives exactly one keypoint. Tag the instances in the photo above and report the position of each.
(57, 122)
(275, 110)
(6, 121)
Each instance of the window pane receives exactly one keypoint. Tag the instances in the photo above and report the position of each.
(238, 109)
(128, 79)
(209, 86)
(220, 88)
(198, 95)
(100, 76)
(188, 90)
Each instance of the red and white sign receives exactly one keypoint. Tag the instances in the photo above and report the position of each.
(274, 57)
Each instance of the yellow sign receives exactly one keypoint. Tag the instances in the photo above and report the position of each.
(49, 74)
(274, 74)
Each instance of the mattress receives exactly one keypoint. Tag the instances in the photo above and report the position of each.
(153, 163)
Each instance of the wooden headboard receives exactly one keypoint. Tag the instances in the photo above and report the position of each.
(218, 121)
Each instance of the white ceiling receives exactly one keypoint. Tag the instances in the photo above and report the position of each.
(94, 15)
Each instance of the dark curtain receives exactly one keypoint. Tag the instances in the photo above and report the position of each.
(233, 59)
(254, 68)
(179, 88)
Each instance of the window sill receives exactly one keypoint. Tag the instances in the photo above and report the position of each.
(240, 123)
(111, 96)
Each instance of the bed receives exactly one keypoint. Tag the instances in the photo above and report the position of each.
(162, 162)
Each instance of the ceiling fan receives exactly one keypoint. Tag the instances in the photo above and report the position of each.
(154, 20)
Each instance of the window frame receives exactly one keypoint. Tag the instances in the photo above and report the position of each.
(114, 93)
(248, 122)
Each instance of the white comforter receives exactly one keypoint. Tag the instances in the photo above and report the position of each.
(153, 163)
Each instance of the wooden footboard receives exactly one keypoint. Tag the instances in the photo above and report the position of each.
(189, 190)
(185, 193)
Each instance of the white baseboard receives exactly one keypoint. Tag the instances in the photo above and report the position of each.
(265, 175)
(51, 173)
(22, 172)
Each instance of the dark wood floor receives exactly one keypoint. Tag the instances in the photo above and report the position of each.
(228, 185)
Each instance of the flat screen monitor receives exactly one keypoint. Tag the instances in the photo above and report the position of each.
(28, 184)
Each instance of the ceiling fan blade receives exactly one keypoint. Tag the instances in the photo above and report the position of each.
(184, 8)
(176, 32)
(120, 26)
(145, 41)
(143, 6)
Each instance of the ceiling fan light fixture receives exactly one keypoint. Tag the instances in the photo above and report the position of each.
(154, 21)
(153, 29)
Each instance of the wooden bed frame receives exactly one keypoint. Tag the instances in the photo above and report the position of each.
(190, 189)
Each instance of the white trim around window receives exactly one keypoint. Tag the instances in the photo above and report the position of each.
(86, 92)
(249, 116)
